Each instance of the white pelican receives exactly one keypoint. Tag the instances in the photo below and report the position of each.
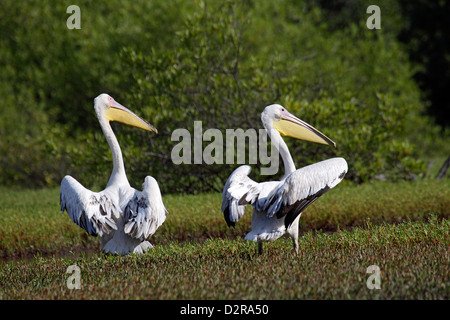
(122, 216)
(277, 205)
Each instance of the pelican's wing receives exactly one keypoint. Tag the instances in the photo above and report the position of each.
(145, 211)
(237, 189)
(302, 187)
(92, 211)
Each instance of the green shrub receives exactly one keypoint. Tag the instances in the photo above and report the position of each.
(353, 84)
(50, 76)
(219, 62)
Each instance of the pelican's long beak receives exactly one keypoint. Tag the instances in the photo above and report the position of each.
(119, 113)
(291, 126)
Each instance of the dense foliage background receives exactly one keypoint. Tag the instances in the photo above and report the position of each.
(220, 62)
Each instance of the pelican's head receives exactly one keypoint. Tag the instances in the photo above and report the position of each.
(106, 106)
(278, 118)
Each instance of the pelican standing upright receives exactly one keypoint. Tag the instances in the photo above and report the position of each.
(277, 205)
(122, 216)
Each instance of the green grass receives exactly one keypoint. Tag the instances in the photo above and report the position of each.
(403, 228)
(413, 258)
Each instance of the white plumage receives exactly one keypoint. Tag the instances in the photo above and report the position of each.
(122, 216)
(277, 205)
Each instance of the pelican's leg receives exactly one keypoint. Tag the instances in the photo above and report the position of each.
(294, 236)
(293, 233)
(295, 241)
(260, 247)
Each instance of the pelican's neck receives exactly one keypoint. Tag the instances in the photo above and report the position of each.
(118, 174)
(282, 148)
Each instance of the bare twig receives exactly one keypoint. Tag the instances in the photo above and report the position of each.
(443, 169)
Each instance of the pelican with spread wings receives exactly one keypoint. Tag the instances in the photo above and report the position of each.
(278, 205)
(122, 216)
